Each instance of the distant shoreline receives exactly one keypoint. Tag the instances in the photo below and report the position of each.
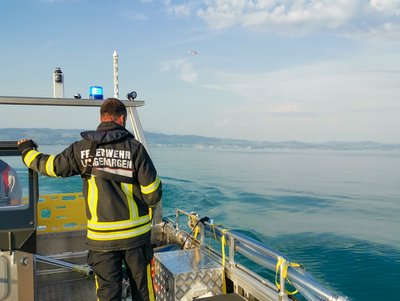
(47, 136)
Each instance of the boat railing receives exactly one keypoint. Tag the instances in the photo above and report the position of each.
(285, 270)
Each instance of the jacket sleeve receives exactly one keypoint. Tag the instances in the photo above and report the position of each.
(61, 165)
(150, 184)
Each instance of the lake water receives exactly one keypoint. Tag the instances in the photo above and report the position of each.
(337, 213)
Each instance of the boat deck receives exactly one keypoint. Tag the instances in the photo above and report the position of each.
(72, 290)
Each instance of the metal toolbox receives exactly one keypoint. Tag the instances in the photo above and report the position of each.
(186, 274)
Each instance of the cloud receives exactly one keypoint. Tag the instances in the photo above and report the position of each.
(388, 7)
(291, 18)
(182, 68)
(385, 34)
(302, 17)
(328, 88)
(277, 15)
(178, 9)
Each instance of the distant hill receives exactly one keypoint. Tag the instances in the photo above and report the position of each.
(41, 136)
(209, 142)
(67, 136)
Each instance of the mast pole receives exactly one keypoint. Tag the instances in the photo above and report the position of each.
(116, 82)
(133, 115)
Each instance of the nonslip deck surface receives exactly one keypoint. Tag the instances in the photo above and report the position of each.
(73, 290)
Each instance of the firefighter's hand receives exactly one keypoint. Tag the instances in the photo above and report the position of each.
(25, 144)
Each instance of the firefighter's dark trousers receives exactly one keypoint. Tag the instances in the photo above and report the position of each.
(107, 267)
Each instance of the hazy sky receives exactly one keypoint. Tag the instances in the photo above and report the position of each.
(305, 70)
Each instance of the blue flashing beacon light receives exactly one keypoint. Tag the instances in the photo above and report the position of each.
(96, 92)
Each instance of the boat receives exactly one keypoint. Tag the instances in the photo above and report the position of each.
(43, 252)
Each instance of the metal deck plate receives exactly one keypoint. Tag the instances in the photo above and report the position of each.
(73, 290)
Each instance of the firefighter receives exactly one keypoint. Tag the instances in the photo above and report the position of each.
(120, 184)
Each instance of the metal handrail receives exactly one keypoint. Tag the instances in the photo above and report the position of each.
(264, 256)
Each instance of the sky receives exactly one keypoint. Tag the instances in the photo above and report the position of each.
(312, 71)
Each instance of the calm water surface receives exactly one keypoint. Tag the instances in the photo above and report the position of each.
(337, 213)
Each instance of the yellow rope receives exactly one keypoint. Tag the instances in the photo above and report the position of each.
(196, 229)
(213, 228)
(286, 264)
(223, 242)
(196, 232)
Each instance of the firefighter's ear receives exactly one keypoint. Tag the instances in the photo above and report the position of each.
(123, 120)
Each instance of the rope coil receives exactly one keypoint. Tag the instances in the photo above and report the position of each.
(285, 264)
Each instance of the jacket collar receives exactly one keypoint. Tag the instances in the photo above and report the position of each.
(107, 132)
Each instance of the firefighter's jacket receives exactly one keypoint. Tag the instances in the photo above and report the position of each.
(123, 184)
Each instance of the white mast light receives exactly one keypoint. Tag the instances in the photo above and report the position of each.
(58, 83)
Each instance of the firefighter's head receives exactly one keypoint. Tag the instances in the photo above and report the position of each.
(114, 110)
